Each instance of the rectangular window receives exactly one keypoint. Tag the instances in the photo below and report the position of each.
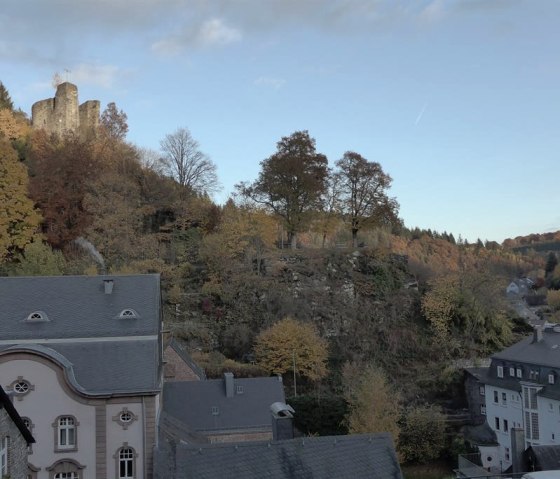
(500, 370)
(519, 373)
(527, 425)
(497, 423)
(551, 378)
(504, 398)
(535, 425)
(506, 425)
(481, 390)
(483, 409)
(215, 410)
(496, 397)
(507, 454)
(4, 457)
(512, 372)
(239, 389)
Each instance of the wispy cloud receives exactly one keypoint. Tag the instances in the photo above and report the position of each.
(275, 83)
(210, 33)
(104, 76)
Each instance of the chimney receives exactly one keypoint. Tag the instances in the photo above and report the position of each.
(282, 421)
(517, 449)
(108, 286)
(228, 379)
(537, 334)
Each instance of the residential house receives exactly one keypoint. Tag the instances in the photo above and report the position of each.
(327, 457)
(221, 410)
(520, 389)
(15, 440)
(82, 357)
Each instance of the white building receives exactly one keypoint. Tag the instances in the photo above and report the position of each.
(520, 389)
(82, 356)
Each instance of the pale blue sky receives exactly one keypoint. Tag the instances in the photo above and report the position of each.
(458, 100)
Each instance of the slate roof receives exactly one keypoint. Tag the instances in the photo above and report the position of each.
(191, 402)
(341, 457)
(548, 457)
(544, 353)
(84, 334)
(77, 306)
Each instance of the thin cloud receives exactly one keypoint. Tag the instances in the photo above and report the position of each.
(210, 33)
(104, 76)
(275, 83)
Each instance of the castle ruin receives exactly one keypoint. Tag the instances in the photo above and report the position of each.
(63, 114)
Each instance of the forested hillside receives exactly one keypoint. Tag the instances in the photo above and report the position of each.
(323, 247)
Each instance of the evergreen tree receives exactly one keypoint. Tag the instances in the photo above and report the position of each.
(5, 100)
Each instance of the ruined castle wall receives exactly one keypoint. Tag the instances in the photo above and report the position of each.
(63, 114)
(41, 113)
(89, 117)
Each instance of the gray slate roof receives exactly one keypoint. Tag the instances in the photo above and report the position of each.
(548, 457)
(77, 306)
(340, 457)
(545, 352)
(191, 402)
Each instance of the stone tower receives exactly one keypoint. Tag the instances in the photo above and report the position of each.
(63, 114)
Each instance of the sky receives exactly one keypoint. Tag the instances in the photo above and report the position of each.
(458, 100)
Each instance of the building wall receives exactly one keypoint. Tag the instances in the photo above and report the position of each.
(549, 421)
(508, 408)
(175, 369)
(17, 448)
(100, 433)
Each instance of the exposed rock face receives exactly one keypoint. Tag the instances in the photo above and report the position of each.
(63, 113)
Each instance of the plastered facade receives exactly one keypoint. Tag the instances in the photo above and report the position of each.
(100, 432)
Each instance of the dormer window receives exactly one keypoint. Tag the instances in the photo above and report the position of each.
(500, 371)
(551, 378)
(128, 314)
(37, 317)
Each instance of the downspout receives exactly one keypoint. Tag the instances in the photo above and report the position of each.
(144, 437)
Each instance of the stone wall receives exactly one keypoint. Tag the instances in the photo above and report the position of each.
(63, 113)
(17, 449)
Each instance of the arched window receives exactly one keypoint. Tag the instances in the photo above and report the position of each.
(66, 433)
(128, 313)
(65, 469)
(37, 317)
(66, 475)
(126, 462)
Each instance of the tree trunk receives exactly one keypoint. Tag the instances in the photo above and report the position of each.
(293, 241)
(354, 237)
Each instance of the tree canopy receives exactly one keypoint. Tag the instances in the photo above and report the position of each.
(292, 344)
(291, 182)
(184, 161)
(18, 218)
(363, 189)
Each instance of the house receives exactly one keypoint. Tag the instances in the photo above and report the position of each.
(15, 439)
(82, 358)
(520, 389)
(340, 457)
(542, 458)
(221, 410)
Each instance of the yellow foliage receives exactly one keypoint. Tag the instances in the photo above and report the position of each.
(292, 344)
(12, 126)
(373, 404)
(553, 299)
(18, 219)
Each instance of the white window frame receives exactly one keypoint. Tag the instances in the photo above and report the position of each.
(551, 378)
(519, 372)
(126, 459)
(66, 433)
(512, 372)
(500, 371)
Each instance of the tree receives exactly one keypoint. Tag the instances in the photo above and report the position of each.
(5, 100)
(18, 218)
(422, 434)
(363, 197)
(467, 313)
(373, 404)
(114, 122)
(38, 259)
(289, 345)
(291, 182)
(187, 164)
